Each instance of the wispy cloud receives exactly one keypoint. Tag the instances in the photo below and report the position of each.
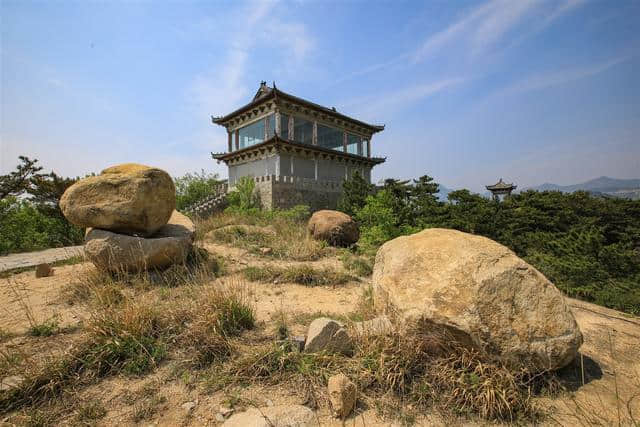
(557, 78)
(486, 25)
(223, 87)
(382, 105)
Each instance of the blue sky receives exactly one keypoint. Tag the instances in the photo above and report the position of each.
(529, 90)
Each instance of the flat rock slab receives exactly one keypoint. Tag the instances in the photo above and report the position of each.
(31, 259)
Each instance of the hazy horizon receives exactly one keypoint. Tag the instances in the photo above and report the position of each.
(533, 91)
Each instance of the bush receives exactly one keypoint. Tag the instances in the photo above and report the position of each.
(244, 197)
(24, 227)
(193, 187)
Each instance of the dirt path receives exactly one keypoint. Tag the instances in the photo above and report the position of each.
(30, 259)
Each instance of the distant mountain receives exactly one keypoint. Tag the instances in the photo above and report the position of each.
(625, 188)
(443, 192)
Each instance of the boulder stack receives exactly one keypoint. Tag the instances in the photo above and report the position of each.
(481, 292)
(129, 213)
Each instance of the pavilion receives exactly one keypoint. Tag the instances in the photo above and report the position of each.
(501, 189)
(298, 152)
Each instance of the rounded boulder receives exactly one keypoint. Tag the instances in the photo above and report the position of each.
(128, 198)
(481, 292)
(334, 227)
(115, 252)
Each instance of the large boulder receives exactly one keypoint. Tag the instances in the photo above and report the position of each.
(481, 292)
(116, 252)
(128, 198)
(336, 228)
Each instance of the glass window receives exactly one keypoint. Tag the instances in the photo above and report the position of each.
(330, 138)
(251, 134)
(353, 141)
(365, 147)
(271, 125)
(284, 126)
(302, 131)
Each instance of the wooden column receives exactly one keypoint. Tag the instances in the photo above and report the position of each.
(237, 139)
(278, 125)
(369, 147)
(230, 141)
(291, 128)
(344, 142)
(314, 136)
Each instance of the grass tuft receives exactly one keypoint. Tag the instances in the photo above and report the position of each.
(301, 274)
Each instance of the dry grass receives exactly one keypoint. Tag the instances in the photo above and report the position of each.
(423, 368)
(287, 238)
(300, 274)
(133, 336)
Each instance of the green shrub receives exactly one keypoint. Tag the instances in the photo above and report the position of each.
(244, 197)
(192, 187)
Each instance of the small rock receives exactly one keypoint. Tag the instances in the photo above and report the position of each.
(342, 395)
(220, 418)
(7, 383)
(44, 270)
(266, 251)
(298, 342)
(225, 411)
(378, 326)
(269, 402)
(188, 406)
(325, 334)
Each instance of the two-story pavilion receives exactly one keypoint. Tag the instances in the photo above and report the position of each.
(298, 152)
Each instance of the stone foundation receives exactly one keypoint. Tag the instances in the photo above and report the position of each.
(284, 192)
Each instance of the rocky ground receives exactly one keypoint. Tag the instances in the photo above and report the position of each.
(601, 388)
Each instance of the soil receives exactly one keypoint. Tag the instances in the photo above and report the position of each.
(609, 394)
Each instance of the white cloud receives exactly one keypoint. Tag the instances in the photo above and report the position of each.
(488, 24)
(382, 105)
(557, 78)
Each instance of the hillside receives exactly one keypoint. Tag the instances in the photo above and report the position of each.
(624, 188)
(194, 380)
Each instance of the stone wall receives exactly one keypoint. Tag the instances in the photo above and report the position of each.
(284, 192)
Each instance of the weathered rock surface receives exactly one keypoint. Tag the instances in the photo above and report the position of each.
(128, 198)
(380, 325)
(325, 334)
(479, 290)
(44, 270)
(342, 395)
(336, 228)
(111, 251)
(273, 416)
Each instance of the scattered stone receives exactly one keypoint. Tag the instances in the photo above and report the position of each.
(325, 334)
(266, 251)
(342, 395)
(111, 251)
(378, 326)
(12, 381)
(44, 270)
(225, 411)
(188, 406)
(273, 416)
(220, 418)
(127, 198)
(298, 342)
(478, 291)
(269, 402)
(334, 227)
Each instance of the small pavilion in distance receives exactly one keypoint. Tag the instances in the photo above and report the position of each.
(501, 190)
(296, 151)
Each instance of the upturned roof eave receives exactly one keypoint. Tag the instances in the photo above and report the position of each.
(275, 93)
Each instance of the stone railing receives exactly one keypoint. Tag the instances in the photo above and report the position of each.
(299, 182)
(215, 201)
